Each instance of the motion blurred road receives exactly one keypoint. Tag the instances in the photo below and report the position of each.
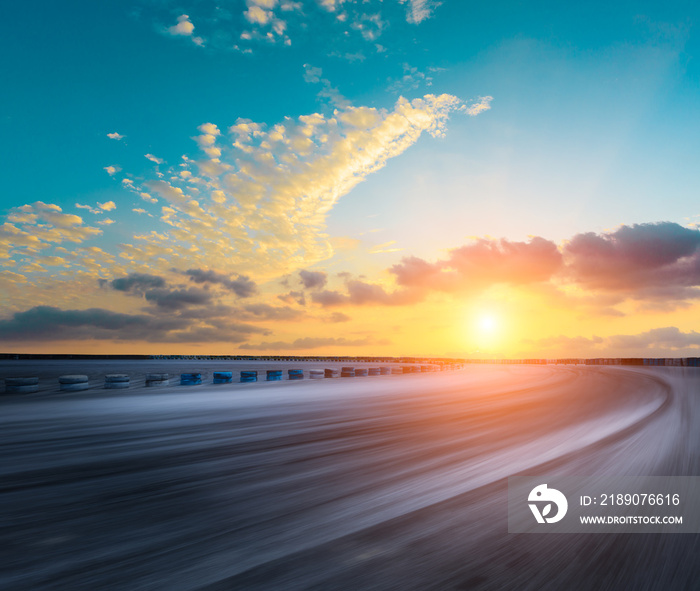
(389, 482)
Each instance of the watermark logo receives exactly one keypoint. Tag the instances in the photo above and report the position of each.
(542, 494)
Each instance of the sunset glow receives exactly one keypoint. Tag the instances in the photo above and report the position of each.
(346, 178)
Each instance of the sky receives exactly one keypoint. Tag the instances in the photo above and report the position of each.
(350, 177)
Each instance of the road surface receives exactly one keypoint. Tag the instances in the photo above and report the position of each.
(391, 482)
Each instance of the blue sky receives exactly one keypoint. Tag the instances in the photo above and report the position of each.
(551, 120)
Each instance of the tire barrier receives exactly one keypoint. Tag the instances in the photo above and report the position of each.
(426, 368)
(331, 373)
(223, 377)
(396, 371)
(384, 371)
(73, 383)
(190, 379)
(295, 374)
(21, 385)
(274, 375)
(155, 380)
(406, 369)
(116, 381)
(249, 376)
(316, 374)
(375, 371)
(347, 372)
(361, 372)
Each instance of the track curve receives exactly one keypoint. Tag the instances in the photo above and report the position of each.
(381, 483)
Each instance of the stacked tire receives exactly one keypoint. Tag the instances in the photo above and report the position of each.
(374, 371)
(21, 385)
(116, 381)
(316, 374)
(223, 377)
(157, 380)
(190, 379)
(295, 374)
(361, 372)
(73, 383)
(274, 375)
(331, 373)
(347, 372)
(249, 376)
(385, 371)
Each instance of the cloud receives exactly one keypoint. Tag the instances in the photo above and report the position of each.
(338, 317)
(176, 299)
(669, 337)
(479, 106)
(313, 279)
(48, 323)
(137, 282)
(115, 136)
(314, 75)
(419, 10)
(361, 293)
(185, 28)
(266, 312)
(642, 261)
(107, 206)
(292, 297)
(242, 285)
(482, 263)
(258, 199)
(307, 343)
(412, 78)
(155, 159)
(112, 170)
(31, 228)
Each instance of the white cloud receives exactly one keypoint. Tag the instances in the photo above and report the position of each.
(483, 104)
(107, 206)
(257, 15)
(263, 198)
(183, 27)
(115, 136)
(328, 91)
(112, 170)
(155, 159)
(105, 222)
(419, 10)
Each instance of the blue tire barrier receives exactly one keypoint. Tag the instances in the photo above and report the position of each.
(384, 371)
(249, 376)
(331, 373)
(296, 374)
(156, 380)
(316, 374)
(361, 372)
(222, 377)
(73, 383)
(21, 385)
(116, 381)
(347, 372)
(190, 379)
(374, 371)
(274, 375)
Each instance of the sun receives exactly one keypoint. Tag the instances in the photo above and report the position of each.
(488, 324)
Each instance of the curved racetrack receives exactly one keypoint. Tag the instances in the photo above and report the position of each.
(391, 482)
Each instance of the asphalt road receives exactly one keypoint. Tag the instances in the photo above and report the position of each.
(391, 482)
